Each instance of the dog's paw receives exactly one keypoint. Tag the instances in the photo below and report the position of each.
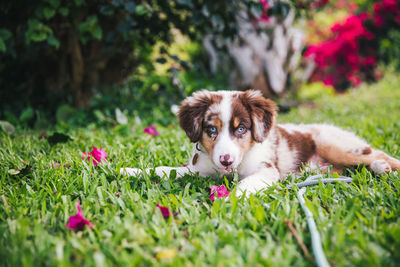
(380, 166)
(130, 171)
(246, 188)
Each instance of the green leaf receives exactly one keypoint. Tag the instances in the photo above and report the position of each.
(130, 6)
(37, 31)
(13, 171)
(79, 2)
(58, 138)
(65, 113)
(141, 10)
(53, 3)
(24, 170)
(99, 115)
(106, 10)
(63, 11)
(51, 40)
(3, 47)
(5, 34)
(90, 26)
(27, 114)
(7, 127)
(97, 32)
(48, 12)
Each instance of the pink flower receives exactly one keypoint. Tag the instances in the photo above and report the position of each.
(98, 155)
(77, 221)
(164, 211)
(56, 164)
(264, 16)
(151, 130)
(220, 190)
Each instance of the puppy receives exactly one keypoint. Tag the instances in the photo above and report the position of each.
(236, 131)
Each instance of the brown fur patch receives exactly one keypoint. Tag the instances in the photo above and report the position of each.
(240, 116)
(262, 113)
(207, 143)
(217, 122)
(192, 111)
(302, 143)
(367, 151)
(268, 165)
(195, 159)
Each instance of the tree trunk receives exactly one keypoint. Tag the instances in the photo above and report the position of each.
(77, 69)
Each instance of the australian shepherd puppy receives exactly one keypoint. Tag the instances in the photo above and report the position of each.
(236, 131)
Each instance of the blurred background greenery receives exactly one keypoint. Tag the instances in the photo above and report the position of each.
(105, 61)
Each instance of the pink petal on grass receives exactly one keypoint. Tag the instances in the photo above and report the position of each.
(151, 130)
(66, 165)
(164, 211)
(221, 192)
(97, 155)
(78, 221)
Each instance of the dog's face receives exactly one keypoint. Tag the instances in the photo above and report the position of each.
(226, 123)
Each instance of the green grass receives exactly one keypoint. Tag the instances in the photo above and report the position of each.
(359, 223)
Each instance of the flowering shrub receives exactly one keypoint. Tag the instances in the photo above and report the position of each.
(349, 56)
(386, 12)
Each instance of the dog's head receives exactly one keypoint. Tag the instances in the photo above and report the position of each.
(227, 124)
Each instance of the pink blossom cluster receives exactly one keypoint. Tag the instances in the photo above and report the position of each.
(264, 16)
(348, 56)
(338, 59)
(386, 12)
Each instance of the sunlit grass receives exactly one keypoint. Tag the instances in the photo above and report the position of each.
(359, 222)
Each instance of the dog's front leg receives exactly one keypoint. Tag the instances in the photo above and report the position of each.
(257, 181)
(162, 171)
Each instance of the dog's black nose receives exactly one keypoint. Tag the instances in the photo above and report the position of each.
(225, 160)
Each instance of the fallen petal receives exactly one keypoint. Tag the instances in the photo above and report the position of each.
(78, 221)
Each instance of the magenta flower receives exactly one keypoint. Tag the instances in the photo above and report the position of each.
(164, 211)
(77, 221)
(151, 130)
(220, 190)
(98, 155)
(66, 165)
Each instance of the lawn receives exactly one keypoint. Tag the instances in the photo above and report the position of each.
(359, 223)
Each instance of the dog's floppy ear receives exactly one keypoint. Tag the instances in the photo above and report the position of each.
(191, 113)
(262, 112)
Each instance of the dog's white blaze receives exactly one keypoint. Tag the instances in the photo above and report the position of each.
(225, 144)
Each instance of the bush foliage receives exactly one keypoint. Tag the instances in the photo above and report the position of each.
(59, 50)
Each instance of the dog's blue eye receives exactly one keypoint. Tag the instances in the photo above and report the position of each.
(241, 130)
(213, 129)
